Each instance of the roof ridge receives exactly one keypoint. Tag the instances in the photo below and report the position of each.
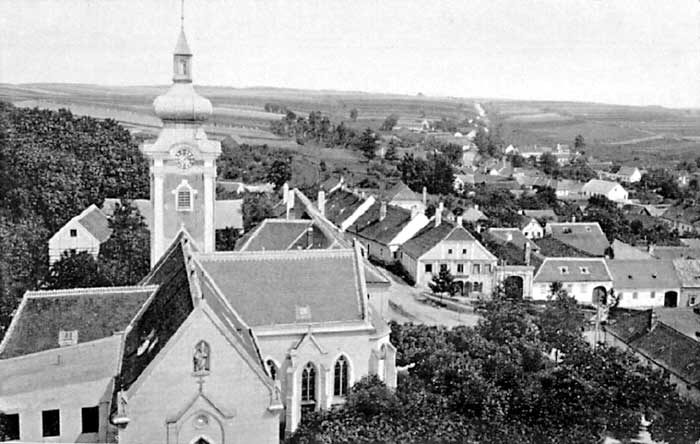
(35, 294)
(276, 255)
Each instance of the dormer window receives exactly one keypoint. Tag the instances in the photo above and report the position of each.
(184, 197)
(564, 270)
(584, 270)
(566, 230)
(588, 229)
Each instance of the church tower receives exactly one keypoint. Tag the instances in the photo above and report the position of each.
(182, 162)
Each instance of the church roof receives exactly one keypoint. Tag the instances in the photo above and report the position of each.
(181, 47)
(95, 313)
(289, 287)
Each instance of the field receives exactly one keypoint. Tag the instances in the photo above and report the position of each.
(642, 135)
(645, 136)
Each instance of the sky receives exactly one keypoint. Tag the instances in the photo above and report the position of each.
(637, 52)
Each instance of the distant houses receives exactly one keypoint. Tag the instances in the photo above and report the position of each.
(622, 174)
(611, 190)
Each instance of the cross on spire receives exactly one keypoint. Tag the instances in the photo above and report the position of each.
(182, 14)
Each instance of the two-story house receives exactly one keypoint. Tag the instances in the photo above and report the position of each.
(444, 245)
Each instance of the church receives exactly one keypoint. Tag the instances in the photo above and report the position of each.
(210, 347)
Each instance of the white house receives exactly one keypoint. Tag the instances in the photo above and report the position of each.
(612, 190)
(85, 232)
(531, 228)
(443, 245)
(586, 279)
(645, 283)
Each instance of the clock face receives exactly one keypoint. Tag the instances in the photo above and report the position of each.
(185, 158)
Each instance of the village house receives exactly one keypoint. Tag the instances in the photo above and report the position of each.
(531, 228)
(343, 207)
(611, 190)
(473, 214)
(170, 360)
(83, 233)
(622, 174)
(383, 228)
(516, 259)
(659, 345)
(683, 217)
(443, 245)
(584, 236)
(585, 279)
(688, 271)
(644, 283)
(400, 195)
(463, 180)
(625, 251)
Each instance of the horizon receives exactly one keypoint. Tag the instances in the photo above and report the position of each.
(506, 51)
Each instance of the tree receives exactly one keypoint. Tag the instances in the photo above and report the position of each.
(391, 154)
(280, 172)
(443, 282)
(367, 144)
(389, 123)
(549, 164)
(579, 143)
(226, 239)
(256, 208)
(353, 114)
(124, 258)
(74, 270)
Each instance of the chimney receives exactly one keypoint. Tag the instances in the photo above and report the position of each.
(310, 237)
(382, 211)
(363, 195)
(653, 320)
(438, 214)
(509, 237)
(573, 219)
(285, 192)
(528, 253)
(650, 249)
(322, 202)
(476, 207)
(290, 204)
(460, 221)
(425, 196)
(479, 227)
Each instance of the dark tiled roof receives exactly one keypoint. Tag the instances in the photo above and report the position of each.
(686, 212)
(584, 236)
(671, 349)
(628, 324)
(95, 313)
(274, 288)
(430, 236)
(370, 227)
(340, 205)
(549, 246)
(274, 235)
(511, 235)
(161, 316)
(643, 274)
(541, 214)
(551, 270)
(96, 223)
(401, 192)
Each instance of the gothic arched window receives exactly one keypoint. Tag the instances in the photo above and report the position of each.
(340, 377)
(201, 357)
(272, 369)
(308, 384)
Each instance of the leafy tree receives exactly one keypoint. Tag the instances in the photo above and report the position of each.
(391, 154)
(562, 320)
(226, 239)
(549, 164)
(280, 172)
(389, 123)
(367, 144)
(124, 258)
(353, 114)
(579, 143)
(442, 283)
(74, 270)
(256, 208)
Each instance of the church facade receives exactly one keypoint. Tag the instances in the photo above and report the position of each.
(211, 347)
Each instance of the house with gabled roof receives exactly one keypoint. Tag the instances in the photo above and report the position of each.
(688, 271)
(644, 283)
(343, 207)
(584, 236)
(85, 232)
(383, 228)
(659, 345)
(585, 279)
(683, 217)
(444, 245)
(622, 174)
(611, 190)
(400, 195)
